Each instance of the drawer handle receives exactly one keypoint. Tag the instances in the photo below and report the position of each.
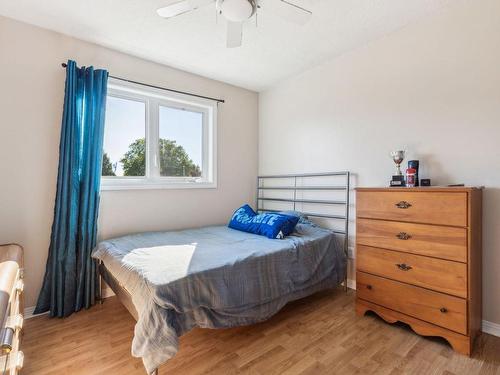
(403, 267)
(403, 205)
(369, 287)
(403, 236)
(443, 310)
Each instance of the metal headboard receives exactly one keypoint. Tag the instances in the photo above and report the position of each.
(342, 188)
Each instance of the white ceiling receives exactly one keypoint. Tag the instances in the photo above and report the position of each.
(194, 42)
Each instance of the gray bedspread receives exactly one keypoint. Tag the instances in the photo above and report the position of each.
(215, 277)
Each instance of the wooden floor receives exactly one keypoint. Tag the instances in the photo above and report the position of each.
(317, 335)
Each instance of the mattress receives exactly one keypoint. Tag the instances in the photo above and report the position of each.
(215, 277)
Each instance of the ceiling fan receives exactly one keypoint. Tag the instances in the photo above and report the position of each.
(238, 11)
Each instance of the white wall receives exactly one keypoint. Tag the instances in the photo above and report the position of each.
(31, 99)
(432, 88)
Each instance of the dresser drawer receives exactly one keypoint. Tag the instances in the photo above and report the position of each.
(446, 208)
(437, 274)
(430, 240)
(437, 308)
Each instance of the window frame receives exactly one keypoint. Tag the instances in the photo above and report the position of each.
(153, 99)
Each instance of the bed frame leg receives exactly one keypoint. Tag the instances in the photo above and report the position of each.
(101, 296)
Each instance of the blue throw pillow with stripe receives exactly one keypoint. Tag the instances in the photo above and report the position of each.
(271, 225)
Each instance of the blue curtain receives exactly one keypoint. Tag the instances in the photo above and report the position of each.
(70, 281)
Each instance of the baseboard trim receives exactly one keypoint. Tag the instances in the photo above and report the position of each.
(28, 312)
(491, 328)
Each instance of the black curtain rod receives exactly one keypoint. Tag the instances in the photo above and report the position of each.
(64, 65)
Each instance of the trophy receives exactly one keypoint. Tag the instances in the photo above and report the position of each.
(398, 178)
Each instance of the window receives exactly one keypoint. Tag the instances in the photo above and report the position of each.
(124, 134)
(155, 139)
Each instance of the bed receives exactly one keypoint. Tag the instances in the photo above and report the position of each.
(218, 277)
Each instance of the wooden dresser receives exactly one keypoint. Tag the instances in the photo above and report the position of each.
(418, 259)
(11, 308)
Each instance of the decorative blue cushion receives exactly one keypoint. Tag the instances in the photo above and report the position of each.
(271, 225)
(303, 219)
(242, 218)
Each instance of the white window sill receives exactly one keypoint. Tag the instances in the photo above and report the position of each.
(154, 185)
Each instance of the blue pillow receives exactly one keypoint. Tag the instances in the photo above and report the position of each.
(303, 219)
(271, 225)
(242, 217)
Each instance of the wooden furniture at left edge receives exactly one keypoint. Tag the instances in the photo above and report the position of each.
(11, 308)
(418, 259)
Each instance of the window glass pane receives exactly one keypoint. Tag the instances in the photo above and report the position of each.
(124, 138)
(181, 142)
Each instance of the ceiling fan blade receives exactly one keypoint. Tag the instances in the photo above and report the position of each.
(195, 4)
(181, 7)
(174, 9)
(234, 34)
(289, 11)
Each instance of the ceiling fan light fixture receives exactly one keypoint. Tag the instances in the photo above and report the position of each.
(236, 10)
